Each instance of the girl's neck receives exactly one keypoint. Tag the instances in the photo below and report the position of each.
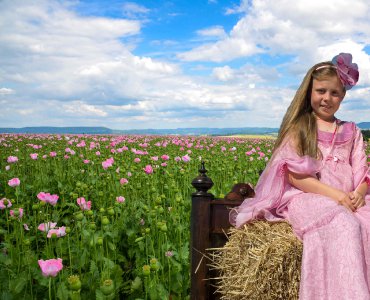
(329, 125)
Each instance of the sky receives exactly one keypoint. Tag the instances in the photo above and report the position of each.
(172, 64)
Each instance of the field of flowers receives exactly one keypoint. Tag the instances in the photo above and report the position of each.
(107, 217)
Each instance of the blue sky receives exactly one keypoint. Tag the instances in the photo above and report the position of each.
(171, 64)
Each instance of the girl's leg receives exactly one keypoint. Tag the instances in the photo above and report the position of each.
(333, 262)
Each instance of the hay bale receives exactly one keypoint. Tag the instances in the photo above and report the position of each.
(262, 260)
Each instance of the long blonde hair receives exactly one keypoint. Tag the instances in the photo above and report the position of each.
(299, 121)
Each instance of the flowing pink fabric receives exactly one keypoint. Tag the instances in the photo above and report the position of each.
(336, 242)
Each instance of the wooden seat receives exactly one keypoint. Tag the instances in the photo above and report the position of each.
(209, 226)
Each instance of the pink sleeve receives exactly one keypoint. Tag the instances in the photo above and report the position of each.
(360, 168)
(269, 202)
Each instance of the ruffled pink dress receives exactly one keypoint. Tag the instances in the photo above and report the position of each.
(336, 241)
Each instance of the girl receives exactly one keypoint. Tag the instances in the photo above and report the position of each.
(317, 180)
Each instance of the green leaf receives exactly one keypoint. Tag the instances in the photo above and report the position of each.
(62, 292)
(17, 285)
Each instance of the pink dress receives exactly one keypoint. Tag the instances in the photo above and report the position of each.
(336, 242)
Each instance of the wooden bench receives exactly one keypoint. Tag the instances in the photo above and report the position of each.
(209, 223)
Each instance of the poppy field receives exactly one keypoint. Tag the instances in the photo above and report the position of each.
(108, 217)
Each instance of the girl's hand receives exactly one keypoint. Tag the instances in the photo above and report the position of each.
(346, 201)
(357, 199)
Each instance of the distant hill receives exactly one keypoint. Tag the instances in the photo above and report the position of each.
(105, 130)
(364, 125)
(177, 131)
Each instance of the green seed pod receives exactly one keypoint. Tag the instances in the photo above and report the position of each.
(146, 270)
(102, 209)
(89, 212)
(92, 226)
(163, 228)
(110, 211)
(107, 287)
(79, 216)
(154, 264)
(105, 221)
(99, 241)
(74, 283)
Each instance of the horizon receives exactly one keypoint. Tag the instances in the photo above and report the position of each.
(160, 64)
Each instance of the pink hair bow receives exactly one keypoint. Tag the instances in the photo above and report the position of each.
(347, 71)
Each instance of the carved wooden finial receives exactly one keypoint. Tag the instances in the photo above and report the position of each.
(202, 183)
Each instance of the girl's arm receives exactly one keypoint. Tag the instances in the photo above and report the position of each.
(310, 184)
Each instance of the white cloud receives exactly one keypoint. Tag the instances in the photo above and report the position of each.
(79, 108)
(275, 27)
(215, 31)
(223, 73)
(59, 68)
(133, 10)
(6, 91)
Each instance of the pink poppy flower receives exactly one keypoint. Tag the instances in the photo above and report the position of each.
(97, 153)
(137, 160)
(155, 158)
(86, 161)
(61, 231)
(16, 213)
(45, 227)
(14, 182)
(120, 199)
(186, 158)
(12, 159)
(25, 226)
(169, 253)
(46, 197)
(129, 174)
(164, 164)
(177, 158)
(84, 205)
(123, 181)
(148, 169)
(165, 157)
(50, 267)
(4, 203)
(107, 163)
(7, 168)
(53, 154)
(34, 156)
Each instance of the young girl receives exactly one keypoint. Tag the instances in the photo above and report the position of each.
(317, 180)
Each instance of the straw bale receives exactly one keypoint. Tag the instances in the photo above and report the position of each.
(262, 260)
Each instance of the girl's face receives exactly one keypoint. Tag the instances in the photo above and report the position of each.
(326, 97)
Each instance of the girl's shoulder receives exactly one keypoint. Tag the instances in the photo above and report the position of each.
(347, 130)
(347, 126)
